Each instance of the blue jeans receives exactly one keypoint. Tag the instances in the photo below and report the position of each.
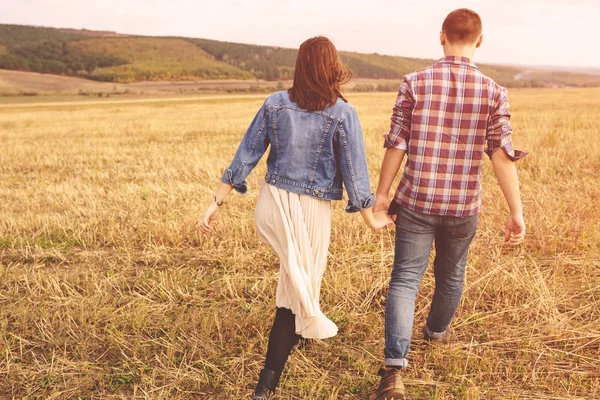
(415, 234)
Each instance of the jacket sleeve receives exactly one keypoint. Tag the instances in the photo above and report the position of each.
(352, 161)
(251, 149)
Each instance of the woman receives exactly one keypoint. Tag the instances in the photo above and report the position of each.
(316, 144)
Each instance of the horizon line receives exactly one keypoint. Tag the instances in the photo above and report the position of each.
(581, 69)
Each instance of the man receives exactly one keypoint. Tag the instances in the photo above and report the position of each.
(443, 118)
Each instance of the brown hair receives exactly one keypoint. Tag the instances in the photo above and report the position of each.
(318, 75)
(462, 26)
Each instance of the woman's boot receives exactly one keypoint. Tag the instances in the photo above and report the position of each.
(267, 383)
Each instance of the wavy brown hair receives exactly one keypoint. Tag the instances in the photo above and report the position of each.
(318, 75)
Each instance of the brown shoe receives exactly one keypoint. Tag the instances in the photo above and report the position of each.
(444, 339)
(390, 387)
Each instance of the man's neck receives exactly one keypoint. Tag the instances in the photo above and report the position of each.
(459, 51)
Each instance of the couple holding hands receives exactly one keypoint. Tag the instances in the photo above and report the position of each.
(445, 118)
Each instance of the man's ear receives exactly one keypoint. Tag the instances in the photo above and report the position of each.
(479, 41)
(442, 38)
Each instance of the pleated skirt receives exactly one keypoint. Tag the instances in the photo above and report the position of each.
(298, 229)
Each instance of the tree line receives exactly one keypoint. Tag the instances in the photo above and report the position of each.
(56, 58)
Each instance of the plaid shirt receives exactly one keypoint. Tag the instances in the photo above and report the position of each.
(445, 113)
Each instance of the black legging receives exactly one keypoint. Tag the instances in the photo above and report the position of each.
(282, 340)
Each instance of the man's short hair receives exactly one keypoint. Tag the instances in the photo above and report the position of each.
(462, 26)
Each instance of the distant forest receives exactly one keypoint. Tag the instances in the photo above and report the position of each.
(56, 58)
(106, 56)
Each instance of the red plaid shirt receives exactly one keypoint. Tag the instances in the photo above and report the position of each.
(446, 113)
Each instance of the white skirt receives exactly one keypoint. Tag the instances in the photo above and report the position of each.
(298, 228)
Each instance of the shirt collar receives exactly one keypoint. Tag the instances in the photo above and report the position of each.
(457, 60)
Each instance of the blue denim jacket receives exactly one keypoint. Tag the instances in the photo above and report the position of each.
(311, 153)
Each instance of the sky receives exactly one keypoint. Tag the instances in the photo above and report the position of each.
(524, 32)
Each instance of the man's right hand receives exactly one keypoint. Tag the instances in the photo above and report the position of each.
(515, 230)
(382, 203)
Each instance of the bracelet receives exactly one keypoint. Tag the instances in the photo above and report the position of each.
(219, 204)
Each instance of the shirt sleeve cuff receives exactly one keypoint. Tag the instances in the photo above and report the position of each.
(352, 208)
(514, 155)
(402, 145)
(399, 143)
(228, 178)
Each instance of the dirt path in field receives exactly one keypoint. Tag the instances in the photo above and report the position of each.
(130, 101)
(13, 82)
(33, 81)
(146, 100)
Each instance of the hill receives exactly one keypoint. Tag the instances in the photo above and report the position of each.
(276, 63)
(152, 59)
(112, 57)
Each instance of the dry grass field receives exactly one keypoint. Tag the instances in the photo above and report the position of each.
(108, 292)
(41, 86)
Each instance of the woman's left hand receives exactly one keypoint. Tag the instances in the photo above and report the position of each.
(205, 224)
(381, 219)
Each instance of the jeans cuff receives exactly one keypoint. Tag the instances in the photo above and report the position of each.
(434, 335)
(396, 362)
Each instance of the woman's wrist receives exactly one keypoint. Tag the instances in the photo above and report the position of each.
(367, 214)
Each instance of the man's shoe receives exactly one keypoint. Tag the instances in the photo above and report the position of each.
(443, 339)
(267, 383)
(390, 387)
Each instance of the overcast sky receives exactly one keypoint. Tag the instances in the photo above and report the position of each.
(534, 32)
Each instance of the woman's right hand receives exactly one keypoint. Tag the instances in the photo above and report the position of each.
(381, 219)
(206, 219)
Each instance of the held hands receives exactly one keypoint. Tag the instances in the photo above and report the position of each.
(382, 203)
(515, 230)
(205, 224)
(381, 219)
(378, 217)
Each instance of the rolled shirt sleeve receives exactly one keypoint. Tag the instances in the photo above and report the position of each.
(402, 145)
(499, 131)
(401, 118)
(252, 147)
(352, 159)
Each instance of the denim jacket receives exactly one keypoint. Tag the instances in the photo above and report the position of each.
(311, 153)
